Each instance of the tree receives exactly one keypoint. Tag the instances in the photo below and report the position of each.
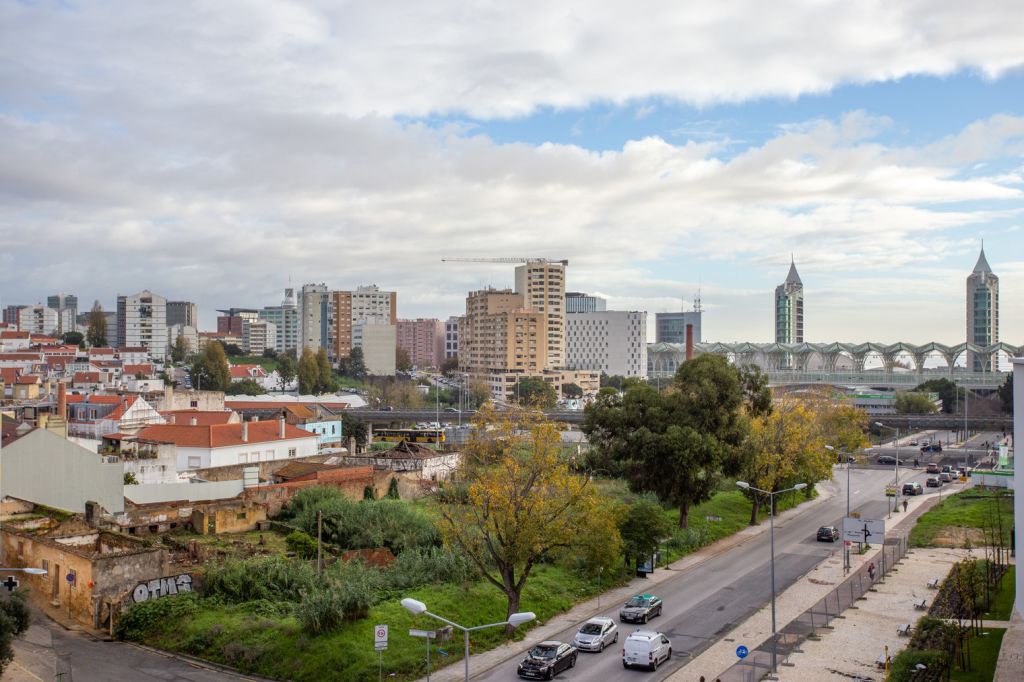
(911, 402)
(72, 338)
(286, 370)
(245, 387)
(325, 374)
(210, 369)
(479, 393)
(676, 444)
(354, 428)
(355, 366)
(642, 527)
(1006, 394)
(232, 349)
(523, 502)
(613, 381)
(179, 351)
(308, 372)
(392, 493)
(946, 389)
(15, 618)
(572, 391)
(450, 365)
(536, 392)
(270, 353)
(96, 334)
(403, 363)
(756, 394)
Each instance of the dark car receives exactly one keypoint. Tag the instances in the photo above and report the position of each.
(935, 447)
(912, 489)
(640, 609)
(828, 534)
(547, 659)
(886, 459)
(933, 482)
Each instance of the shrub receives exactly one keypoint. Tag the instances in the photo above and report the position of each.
(301, 543)
(141, 619)
(357, 587)
(269, 578)
(366, 525)
(320, 611)
(392, 493)
(422, 566)
(904, 666)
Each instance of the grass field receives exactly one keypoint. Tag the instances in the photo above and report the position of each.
(961, 518)
(1002, 602)
(984, 654)
(268, 364)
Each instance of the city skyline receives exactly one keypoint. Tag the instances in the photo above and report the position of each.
(213, 160)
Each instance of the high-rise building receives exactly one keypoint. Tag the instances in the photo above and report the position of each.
(542, 285)
(37, 319)
(789, 308)
(184, 313)
(233, 319)
(451, 337)
(671, 327)
(500, 340)
(66, 306)
(313, 317)
(423, 340)
(348, 308)
(142, 322)
(285, 319)
(611, 341)
(258, 335)
(576, 302)
(378, 341)
(982, 314)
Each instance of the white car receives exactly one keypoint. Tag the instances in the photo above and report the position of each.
(646, 648)
(596, 634)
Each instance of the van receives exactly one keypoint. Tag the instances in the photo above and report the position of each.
(646, 648)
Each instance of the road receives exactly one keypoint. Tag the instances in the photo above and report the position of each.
(708, 600)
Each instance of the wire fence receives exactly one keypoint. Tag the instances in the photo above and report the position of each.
(818, 619)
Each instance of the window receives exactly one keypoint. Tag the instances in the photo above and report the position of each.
(240, 516)
(291, 452)
(46, 565)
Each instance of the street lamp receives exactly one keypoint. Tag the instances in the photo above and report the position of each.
(896, 467)
(417, 607)
(30, 571)
(771, 515)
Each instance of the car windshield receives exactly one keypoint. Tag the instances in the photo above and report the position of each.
(825, 529)
(636, 602)
(590, 629)
(543, 651)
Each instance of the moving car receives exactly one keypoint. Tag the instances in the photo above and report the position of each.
(886, 459)
(932, 468)
(646, 648)
(946, 469)
(828, 534)
(640, 609)
(933, 482)
(931, 448)
(912, 489)
(596, 634)
(547, 659)
(913, 441)
(946, 477)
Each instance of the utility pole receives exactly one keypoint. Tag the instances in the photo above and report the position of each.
(319, 543)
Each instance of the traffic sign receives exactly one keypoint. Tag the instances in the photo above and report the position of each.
(428, 634)
(380, 637)
(866, 531)
(742, 651)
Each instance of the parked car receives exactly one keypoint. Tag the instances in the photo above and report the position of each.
(547, 659)
(596, 634)
(886, 459)
(640, 609)
(913, 441)
(910, 489)
(932, 468)
(828, 534)
(646, 648)
(933, 482)
(946, 477)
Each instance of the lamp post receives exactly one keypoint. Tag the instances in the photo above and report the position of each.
(896, 467)
(846, 550)
(771, 515)
(417, 607)
(30, 571)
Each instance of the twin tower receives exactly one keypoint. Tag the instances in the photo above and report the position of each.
(982, 311)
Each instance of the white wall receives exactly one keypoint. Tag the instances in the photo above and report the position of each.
(181, 492)
(614, 342)
(253, 452)
(378, 342)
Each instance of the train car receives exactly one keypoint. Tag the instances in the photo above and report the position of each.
(410, 435)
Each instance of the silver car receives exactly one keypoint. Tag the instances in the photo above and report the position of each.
(596, 634)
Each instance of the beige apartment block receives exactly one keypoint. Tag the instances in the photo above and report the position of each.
(423, 339)
(366, 304)
(542, 285)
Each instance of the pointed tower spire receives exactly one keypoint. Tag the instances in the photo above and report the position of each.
(982, 264)
(793, 277)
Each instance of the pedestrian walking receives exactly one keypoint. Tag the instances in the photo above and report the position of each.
(904, 504)
(871, 571)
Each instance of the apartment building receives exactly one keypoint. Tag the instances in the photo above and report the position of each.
(38, 319)
(379, 342)
(451, 337)
(66, 306)
(233, 318)
(313, 316)
(285, 319)
(184, 313)
(142, 323)
(367, 304)
(542, 285)
(257, 336)
(577, 302)
(423, 339)
(614, 342)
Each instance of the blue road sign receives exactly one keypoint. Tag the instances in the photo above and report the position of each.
(742, 651)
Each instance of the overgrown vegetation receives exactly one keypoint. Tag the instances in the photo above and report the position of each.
(14, 620)
(972, 513)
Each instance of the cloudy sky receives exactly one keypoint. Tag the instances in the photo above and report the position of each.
(214, 151)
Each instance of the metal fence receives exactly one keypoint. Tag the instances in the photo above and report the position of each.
(818, 619)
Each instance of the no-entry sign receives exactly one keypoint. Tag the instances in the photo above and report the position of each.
(380, 637)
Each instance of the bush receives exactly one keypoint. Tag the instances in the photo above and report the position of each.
(357, 587)
(364, 525)
(302, 544)
(392, 493)
(422, 566)
(904, 666)
(320, 611)
(140, 619)
(270, 578)
(14, 620)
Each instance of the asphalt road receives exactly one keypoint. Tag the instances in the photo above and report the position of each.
(713, 597)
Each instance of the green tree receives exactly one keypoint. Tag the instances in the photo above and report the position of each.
(232, 349)
(612, 381)
(947, 391)
(96, 334)
(245, 387)
(393, 493)
(209, 370)
(179, 351)
(450, 365)
(572, 391)
(679, 443)
(911, 402)
(478, 393)
(756, 394)
(642, 527)
(1006, 394)
(403, 363)
(72, 338)
(325, 374)
(354, 428)
(285, 370)
(355, 366)
(129, 478)
(15, 618)
(536, 392)
(308, 372)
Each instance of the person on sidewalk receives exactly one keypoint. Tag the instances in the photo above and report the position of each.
(871, 571)
(904, 504)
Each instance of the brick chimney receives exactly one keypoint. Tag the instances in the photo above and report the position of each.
(245, 432)
(280, 428)
(689, 342)
(62, 401)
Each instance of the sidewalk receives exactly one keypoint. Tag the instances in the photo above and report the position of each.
(1010, 666)
(484, 661)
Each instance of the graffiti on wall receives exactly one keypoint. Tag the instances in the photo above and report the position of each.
(161, 587)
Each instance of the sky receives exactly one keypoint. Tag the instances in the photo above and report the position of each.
(216, 152)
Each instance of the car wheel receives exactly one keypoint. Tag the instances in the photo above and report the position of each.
(616, 638)
(600, 648)
(572, 661)
(550, 675)
(625, 665)
(644, 621)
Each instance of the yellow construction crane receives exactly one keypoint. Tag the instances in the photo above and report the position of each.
(504, 260)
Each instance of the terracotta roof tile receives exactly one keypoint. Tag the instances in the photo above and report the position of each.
(86, 378)
(220, 435)
(137, 369)
(202, 417)
(27, 379)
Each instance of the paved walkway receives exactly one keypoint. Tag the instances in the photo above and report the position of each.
(1010, 667)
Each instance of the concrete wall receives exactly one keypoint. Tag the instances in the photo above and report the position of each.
(1018, 474)
(267, 469)
(173, 492)
(378, 342)
(44, 468)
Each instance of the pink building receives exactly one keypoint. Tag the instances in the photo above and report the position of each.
(423, 339)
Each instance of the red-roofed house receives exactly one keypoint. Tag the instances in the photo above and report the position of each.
(200, 417)
(255, 373)
(23, 361)
(216, 445)
(88, 380)
(146, 370)
(92, 416)
(13, 341)
(26, 387)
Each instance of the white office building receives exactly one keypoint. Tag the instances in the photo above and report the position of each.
(258, 336)
(613, 342)
(285, 319)
(142, 323)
